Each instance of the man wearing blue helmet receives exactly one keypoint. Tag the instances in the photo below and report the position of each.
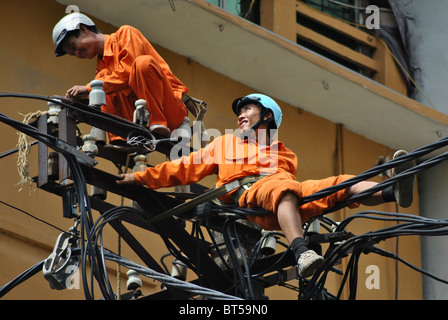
(267, 105)
(256, 152)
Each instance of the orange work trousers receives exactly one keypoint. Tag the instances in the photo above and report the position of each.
(267, 193)
(148, 81)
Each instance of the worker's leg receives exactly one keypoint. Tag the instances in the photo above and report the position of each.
(148, 81)
(373, 200)
(402, 192)
(291, 224)
(288, 216)
(121, 105)
(319, 206)
(280, 193)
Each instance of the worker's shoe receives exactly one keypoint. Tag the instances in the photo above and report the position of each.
(160, 130)
(403, 189)
(308, 262)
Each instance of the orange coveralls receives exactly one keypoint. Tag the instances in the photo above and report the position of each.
(131, 69)
(232, 158)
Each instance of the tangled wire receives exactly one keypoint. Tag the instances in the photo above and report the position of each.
(93, 254)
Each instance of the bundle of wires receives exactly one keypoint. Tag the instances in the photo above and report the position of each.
(88, 254)
(382, 168)
(366, 243)
(96, 236)
(243, 263)
(94, 255)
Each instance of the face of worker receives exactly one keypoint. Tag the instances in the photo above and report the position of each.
(83, 46)
(249, 115)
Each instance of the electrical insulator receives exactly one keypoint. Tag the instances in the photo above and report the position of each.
(268, 245)
(97, 97)
(314, 227)
(99, 134)
(90, 148)
(183, 131)
(53, 112)
(141, 113)
(179, 270)
(140, 165)
(134, 281)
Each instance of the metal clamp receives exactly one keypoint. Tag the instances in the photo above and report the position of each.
(59, 268)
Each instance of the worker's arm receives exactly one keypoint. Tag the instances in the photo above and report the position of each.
(183, 171)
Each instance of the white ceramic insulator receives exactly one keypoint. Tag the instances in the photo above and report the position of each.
(97, 96)
(141, 113)
(268, 245)
(134, 280)
(89, 147)
(53, 111)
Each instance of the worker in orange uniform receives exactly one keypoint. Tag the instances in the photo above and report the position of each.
(130, 69)
(254, 152)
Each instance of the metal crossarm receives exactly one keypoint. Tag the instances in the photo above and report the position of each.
(215, 193)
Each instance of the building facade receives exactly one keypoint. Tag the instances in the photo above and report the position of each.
(347, 107)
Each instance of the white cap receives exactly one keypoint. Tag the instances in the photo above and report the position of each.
(68, 23)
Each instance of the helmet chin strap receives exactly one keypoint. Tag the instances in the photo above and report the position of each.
(255, 127)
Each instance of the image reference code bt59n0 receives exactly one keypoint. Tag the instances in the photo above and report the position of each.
(224, 309)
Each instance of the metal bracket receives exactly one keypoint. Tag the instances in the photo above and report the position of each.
(81, 156)
(59, 268)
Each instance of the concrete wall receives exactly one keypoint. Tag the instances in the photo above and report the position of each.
(28, 66)
(427, 38)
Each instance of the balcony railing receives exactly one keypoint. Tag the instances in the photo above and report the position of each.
(339, 40)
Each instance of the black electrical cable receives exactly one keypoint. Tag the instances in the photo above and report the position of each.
(412, 225)
(32, 216)
(216, 246)
(168, 280)
(86, 221)
(14, 150)
(21, 278)
(63, 104)
(391, 181)
(357, 244)
(80, 189)
(377, 170)
(113, 120)
(238, 274)
(200, 245)
(250, 291)
(396, 257)
(273, 266)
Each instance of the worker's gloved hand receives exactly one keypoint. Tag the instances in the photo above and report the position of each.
(127, 178)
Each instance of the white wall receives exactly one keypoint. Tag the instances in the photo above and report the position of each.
(433, 203)
(429, 44)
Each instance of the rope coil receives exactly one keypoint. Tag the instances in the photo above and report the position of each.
(24, 149)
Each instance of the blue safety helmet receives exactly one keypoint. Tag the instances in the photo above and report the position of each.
(264, 102)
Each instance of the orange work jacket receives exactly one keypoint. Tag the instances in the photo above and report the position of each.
(228, 156)
(232, 158)
(120, 51)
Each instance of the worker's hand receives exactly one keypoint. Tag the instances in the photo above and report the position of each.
(80, 92)
(127, 178)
